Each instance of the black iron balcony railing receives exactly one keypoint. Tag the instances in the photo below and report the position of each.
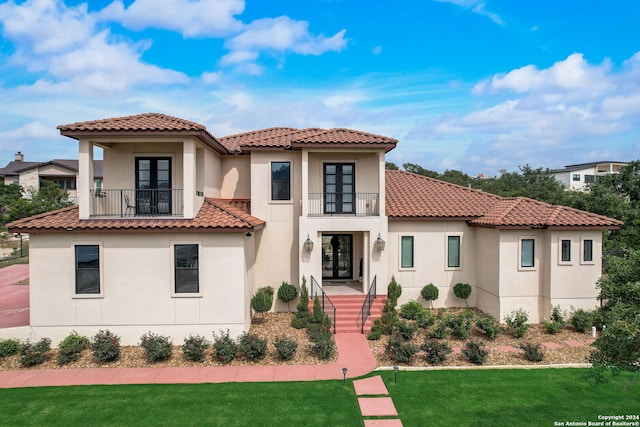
(357, 204)
(136, 203)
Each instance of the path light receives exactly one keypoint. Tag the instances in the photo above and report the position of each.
(395, 375)
(308, 245)
(344, 375)
(593, 332)
(379, 243)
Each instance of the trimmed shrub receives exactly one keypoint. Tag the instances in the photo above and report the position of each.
(71, 347)
(105, 346)
(435, 352)
(532, 352)
(411, 310)
(462, 290)
(299, 322)
(394, 290)
(439, 330)
(285, 347)
(252, 346)
(324, 346)
(9, 347)
(389, 318)
(376, 331)
(517, 322)
(430, 293)
(34, 354)
(405, 330)
(489, 326)
(581, 320)
(156, 347)
(318, 315)
(317, 331)
(476, 352)
(287, 293)
(303, 304)
(262, 301)
(399, 350)
(425, 319)
(194, 348)
(460, 325)
(224, 347)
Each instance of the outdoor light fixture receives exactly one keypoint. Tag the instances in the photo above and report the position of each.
(379, 243)
(308, 245)
(395, 375)
(344, 375)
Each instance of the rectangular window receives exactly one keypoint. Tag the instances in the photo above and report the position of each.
(565, 250)
(527, 253)
(576, 177)
(281, 181)
(87, 269)
(186, 269)
(587, 250)
(589, 179)
(453, 251)
(406, 252)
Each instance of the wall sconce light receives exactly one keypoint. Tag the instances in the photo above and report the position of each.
(380, 243)
(308, 245)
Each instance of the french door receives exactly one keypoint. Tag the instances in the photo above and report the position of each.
(153, 186)
(337, 256)
(339, 188)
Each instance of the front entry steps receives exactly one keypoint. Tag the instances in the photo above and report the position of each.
(348, 312)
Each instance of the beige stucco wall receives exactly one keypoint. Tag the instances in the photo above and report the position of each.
(136, 283)
(366, 167)
(236, 177)
(487, 256)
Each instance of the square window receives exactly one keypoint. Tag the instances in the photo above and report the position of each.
(406, 252)
(527, 253)
(87, 269)
(186, 269)
(565, 250)
(576, 177)
(280, 181)
(453, 251)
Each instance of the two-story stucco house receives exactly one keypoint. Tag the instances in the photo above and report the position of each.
(578, 177)
(187, 226)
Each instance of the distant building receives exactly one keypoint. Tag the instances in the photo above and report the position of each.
(63, 172)
(577, 177)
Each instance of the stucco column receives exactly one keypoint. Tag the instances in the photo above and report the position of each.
(381, 174)
(305, 183)
(85, 175)
(189, 177)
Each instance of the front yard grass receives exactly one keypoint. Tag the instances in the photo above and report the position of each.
(425, 398)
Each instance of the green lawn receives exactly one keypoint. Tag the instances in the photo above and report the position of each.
(431, 398)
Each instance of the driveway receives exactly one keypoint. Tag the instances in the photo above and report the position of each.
(14, 299)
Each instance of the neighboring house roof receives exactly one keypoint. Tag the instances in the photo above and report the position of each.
(415, 197)
(14, 167)
(579, 166)
(154, 124)
(215, 215)
(283, 137)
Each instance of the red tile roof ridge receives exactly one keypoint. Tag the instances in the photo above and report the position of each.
(288, 136)
(118, 120)
(18, 222)
(447, 183)
(227, 206)
(257, 131)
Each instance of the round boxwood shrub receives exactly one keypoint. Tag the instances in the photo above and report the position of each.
(287, 293)
(224, 347)
(532, 352)
(430, 293)
(581, 320)
(475, 352)
(462, 290)
(71, 347)
(9, 347)
(411, 310)
(105, 346)
(194, 348)
(156, 347)
(435, 351)
(285, 347)
(252, 346)
(262, 301)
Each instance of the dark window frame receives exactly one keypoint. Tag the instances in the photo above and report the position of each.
(402, 249)
(588, 251)
(565, 250)
(280, 186)
(181, 265)
(457, 246)
(532, 262)
(82, 271)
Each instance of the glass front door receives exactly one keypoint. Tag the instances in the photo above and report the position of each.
(339, 188)
(153, 186)
(337, 256)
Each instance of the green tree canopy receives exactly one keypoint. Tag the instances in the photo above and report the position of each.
(17, 203)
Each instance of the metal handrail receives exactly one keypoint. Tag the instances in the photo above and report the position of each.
(136, 202)
(365, 311)
(327, 305)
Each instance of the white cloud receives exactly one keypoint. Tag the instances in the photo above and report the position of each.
(476, 6)
(191, 18)
(31, 130)
(280, 34)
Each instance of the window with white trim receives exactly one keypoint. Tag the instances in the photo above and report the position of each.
(587, 250)
(406, 252)
(186, 266)
(527, 252)
(565, 250)
(453, 251)
(87, 266)
(280, 180)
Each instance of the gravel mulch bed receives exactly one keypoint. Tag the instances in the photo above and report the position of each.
(273, 325)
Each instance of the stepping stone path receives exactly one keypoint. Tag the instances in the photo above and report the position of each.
(379, 406)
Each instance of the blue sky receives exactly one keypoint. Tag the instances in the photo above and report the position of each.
(477, 86)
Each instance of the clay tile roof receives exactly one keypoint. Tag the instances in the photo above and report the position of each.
(529, 213)
(415, 196)
(215, 215)
(153, 123)
(282, 137)
(411, 196)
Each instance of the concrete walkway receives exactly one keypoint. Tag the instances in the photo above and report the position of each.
(353, 354)
(14, 300)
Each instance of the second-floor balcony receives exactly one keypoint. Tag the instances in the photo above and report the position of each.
(132, 203)
(344, 204)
